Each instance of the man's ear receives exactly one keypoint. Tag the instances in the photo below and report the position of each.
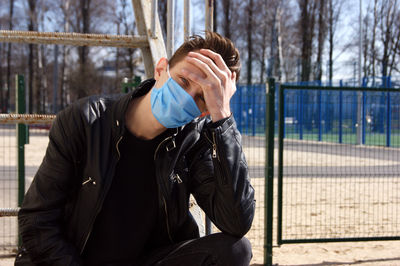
(160, 67)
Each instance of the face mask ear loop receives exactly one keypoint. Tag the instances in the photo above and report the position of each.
(169, 74)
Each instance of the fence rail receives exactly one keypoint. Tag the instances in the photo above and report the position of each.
(72, 38)
(4, 212)
(28, 119)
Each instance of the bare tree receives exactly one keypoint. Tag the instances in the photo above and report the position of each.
(226, 7)
(215, 18)
(1, 78)
(397, 45)
(373, 40)
(262, 44)
(129, 53)
(366, 68)
(10, 27)
(162, 14)
(334, 11)
(307, 23)
(395, 36)
(321, 37)
(249, 41)
(387, 17)
(65, 8)
(31, 71)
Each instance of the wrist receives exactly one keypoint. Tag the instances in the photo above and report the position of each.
(217, 116)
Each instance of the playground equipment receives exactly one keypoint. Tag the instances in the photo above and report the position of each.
(149, 40)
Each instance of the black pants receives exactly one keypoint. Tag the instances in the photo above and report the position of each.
(215, 249)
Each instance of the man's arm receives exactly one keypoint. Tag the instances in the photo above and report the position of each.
(41, 216)
(221, 183)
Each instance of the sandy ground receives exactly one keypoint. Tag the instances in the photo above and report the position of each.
(315, 206)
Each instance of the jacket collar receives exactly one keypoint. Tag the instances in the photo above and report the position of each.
(120, 106)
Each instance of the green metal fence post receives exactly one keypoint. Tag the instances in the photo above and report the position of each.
(269, 170)
(21, 136)
(22, 139)
(281, 133)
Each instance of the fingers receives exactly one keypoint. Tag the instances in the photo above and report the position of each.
(214, 62)
(203, 82)
(205, 64)
(217, 58)
(209, 71)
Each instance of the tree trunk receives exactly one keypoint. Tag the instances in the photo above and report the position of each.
(307, 21)
(263, 44)
(249, 42)
(321, 38)
(279, 43)
(387, 20)
(162, 14)
(373, 50)
(330, 38)
(63, 80)
(396, 48)
(31, 72)
(10, 27)
(215, 19)
(117, 55)
(1, 80)
(226, 5)
(365, 48)
(83, 51)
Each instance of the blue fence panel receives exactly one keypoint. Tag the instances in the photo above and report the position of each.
(324, 115)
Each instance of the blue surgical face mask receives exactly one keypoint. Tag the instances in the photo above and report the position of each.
(172, 106)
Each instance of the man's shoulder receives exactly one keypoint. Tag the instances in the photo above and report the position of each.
(91, 108)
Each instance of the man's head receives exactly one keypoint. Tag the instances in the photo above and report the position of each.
(212, 41)
(215, 43)
(199, 77)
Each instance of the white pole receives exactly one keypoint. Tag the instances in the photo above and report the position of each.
(170, 27)
(359, 93)
(154, 5)
(360, 48)
(186, 23)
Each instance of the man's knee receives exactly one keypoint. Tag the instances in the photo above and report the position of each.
(237, 250)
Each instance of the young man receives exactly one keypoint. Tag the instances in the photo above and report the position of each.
(114, 186)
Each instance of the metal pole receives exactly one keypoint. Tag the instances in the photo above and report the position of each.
(209, 15)
(170, 27)
(359, 93)
(22, 139)
(281, 130)
(154, 5)
(186, 19)
(269, 171)
(55, 78)
(360, 48)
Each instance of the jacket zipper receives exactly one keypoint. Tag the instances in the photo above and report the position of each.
(94, 218)
(166, 213)
(163, 198)
(215, 155)
(87, 181)
(119, 154)
(214, 145)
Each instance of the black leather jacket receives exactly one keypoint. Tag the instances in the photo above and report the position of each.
(201, 158)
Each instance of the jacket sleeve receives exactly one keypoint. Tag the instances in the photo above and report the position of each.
(221, 182)
(40, 218)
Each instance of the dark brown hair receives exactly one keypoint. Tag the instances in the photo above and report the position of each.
(215, 43)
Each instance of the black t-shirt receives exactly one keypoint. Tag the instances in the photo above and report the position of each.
(123, 228)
